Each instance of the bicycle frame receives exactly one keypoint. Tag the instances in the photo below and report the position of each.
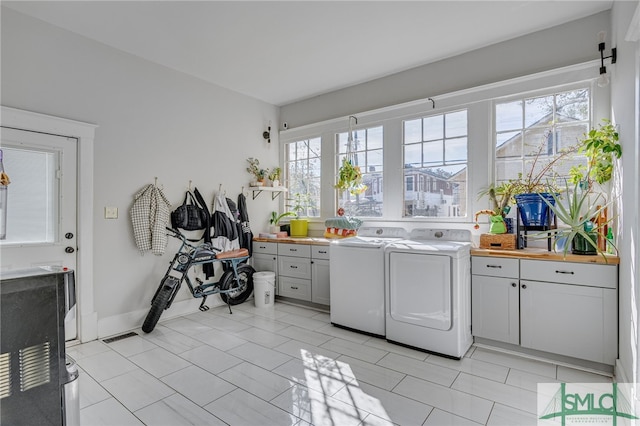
(189, 255)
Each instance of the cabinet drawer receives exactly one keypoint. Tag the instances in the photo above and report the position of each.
(320, 252)
(296, 288)
(266, 248)
(297, 267)
(570, 273)
(495, 266)
(299, 250)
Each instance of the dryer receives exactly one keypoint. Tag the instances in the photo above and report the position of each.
(357, 279)
(428, 291)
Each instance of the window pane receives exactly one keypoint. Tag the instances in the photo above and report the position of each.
(374, 138)
(433, 128)
(538, 141)
(538, 111)
(342, 139)
(31, 214)
(439, 190)
(413, 131)
(432, 152)
(374, 161)
(443, 196)
(506, 170)
(573, 105)
(509, 116)
(455, 150)
(508, 145)
(368, 155)
(413, 155)
(303, 172)
(568, 136)
(456, 124)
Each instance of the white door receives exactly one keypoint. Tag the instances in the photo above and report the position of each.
(41, 204)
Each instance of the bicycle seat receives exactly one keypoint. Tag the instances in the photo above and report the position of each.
(231, 254)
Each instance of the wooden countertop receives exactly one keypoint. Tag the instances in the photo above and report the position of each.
(543, 254)
(292, 240)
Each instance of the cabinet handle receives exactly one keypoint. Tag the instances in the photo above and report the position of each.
(514, 285)
(565, 272)
(293, 267)
(312, 262)
(322, 251)
(262, 247)
(524, 286)
(293, 249)
(494, 266)
(294, 288)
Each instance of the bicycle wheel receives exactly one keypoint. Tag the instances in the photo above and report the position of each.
(241, 289)
(158, 305)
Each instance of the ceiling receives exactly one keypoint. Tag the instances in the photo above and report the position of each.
(285, 51)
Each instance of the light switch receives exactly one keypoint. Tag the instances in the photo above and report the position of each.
(110, 212)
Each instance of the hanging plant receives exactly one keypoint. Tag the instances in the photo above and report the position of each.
(350, 178)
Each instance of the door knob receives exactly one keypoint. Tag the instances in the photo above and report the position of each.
(69, 250)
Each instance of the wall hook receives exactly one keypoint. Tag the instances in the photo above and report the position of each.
(433, 103)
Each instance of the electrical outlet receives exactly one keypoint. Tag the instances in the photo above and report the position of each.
(110, 212)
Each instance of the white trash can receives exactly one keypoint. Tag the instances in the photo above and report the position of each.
(264, 289)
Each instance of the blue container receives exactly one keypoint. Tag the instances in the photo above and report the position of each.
(533, 210)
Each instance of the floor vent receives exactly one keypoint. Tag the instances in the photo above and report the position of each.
(120, 337)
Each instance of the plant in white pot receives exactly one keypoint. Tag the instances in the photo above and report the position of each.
(258, 173)
(274, 176)
(275, 219)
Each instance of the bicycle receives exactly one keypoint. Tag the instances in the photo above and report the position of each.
(234, 287)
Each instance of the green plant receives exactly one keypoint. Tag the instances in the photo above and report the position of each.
(541, 177)
(577, 215)
(600, 146)
(275, 174)
(300, 203)
(350, 178)
(500, 197)
(276, 218)
(255, 170)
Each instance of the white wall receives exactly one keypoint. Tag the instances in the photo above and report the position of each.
(153, 122)
(556, 47)
(625, 95)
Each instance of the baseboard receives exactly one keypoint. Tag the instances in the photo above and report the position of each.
(118, 324)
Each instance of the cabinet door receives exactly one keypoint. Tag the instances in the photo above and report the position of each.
(266, 262)
(320, 281)
(571, 320)
(495, 308)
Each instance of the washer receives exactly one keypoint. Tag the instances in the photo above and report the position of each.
(357, 279)
(428, 291)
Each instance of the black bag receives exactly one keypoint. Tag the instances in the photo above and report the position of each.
(189, 216)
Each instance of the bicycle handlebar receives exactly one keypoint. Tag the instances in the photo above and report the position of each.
(187, 242)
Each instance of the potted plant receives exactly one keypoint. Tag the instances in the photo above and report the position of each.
(274, 176)
(258, 173)
(538, 184)
(299, 226)
(500, 198)
(350, 178)
(581, 233)
(600, 146)
(275, 219)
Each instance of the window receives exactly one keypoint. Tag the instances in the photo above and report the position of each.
(33, 211)
(367, 150)
(303, 172)
(549, 125)
(435, 152)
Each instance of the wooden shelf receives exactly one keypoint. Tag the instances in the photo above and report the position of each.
(275, 190)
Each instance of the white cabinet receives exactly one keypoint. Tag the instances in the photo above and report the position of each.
(495, 311)
(302, 270)
(576, 315)
(265, 258)
(558, 307)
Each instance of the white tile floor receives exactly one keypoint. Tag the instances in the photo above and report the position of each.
(289, 366)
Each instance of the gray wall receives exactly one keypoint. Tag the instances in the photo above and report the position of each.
(567, 44)
(153, 121)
